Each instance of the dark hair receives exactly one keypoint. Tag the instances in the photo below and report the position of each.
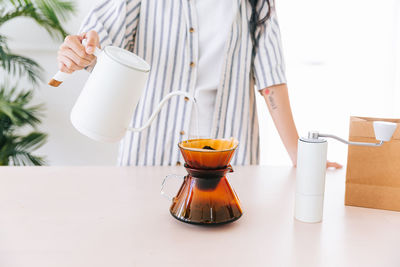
(256, 21)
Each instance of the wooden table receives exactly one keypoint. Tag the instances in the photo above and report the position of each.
(116, 217)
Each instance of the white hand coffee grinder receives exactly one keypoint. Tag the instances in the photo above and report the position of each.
(311, 169)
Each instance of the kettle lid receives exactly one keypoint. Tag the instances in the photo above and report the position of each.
(127, 58)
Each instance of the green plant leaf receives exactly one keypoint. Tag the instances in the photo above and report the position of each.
(22, 158)
(31, 141)
(47, 13)
(19, 66)
(19, 149)
(14, 106)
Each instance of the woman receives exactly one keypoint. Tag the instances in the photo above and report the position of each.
(220, 51)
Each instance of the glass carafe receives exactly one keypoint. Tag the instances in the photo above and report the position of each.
(206, 196)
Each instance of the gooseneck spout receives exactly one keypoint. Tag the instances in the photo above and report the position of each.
(159, 107)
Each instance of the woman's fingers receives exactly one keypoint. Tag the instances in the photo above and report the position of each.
(72, 54)
(92, 41)
(333, 165)
(63, 68)
(78, 49)
(79, 61)
(66, 64)
(74, 42)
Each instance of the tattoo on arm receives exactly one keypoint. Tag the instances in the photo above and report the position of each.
(272, 100)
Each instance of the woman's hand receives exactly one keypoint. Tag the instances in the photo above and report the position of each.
(334, 165)
(73, 56)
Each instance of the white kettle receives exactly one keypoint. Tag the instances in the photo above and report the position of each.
(108, 100)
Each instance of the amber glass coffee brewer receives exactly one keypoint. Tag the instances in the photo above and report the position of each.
(205, 196)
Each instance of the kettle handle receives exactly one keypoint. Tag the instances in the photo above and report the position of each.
(159, 107)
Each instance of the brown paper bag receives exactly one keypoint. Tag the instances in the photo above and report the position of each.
(373, 173)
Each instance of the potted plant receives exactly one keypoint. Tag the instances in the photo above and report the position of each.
(17, 115)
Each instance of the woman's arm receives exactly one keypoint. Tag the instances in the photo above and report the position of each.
(277, 99)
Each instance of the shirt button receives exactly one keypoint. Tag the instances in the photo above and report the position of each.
(178, 163)
(192, 64)
(186, 98)
(191, 30)
(182, 132)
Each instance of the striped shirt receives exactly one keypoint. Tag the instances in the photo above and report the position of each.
(164, 34)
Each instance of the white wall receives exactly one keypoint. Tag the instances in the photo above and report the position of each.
(341, 61)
